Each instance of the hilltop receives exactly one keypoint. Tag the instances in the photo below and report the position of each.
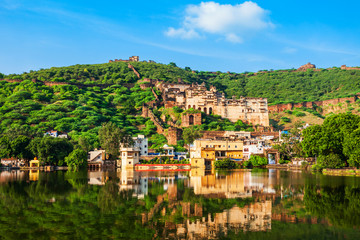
(278, 86)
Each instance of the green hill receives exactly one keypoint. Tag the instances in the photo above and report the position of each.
(109, 92)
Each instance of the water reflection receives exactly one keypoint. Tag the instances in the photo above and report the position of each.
(178, 205)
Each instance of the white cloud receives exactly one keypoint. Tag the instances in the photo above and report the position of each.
(222, 19)
(182, 33)
(231, 37)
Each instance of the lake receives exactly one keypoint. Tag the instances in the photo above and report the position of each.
(257, 204)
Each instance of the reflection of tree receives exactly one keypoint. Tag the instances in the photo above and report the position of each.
(341, 205)
(53, 208)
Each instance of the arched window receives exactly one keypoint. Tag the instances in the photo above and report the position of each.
(194, 107)
(189, 107)
(205, 111)
(199, 108)
(191, 120)
(210, 110)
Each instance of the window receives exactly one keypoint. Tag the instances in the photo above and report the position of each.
(129, 162)
(145, 151)
(235, 146)
(144, 145)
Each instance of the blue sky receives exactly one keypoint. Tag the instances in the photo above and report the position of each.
(228, 35)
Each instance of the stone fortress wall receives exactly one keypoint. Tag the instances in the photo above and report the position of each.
(291, 106)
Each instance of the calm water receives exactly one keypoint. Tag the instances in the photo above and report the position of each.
(266, 204)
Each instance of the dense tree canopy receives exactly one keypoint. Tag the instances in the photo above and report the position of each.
(334, 142)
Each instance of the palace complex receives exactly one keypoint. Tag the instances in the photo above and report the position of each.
(249, 110)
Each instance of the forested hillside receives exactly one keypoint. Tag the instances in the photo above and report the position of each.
(109, 92)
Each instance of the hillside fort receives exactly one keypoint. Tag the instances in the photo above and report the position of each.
(196, 96)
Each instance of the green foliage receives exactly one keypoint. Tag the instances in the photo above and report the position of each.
(257, 161)
(331, 161)
(50, 150)
(190, 135)
(283, 161)
(298, 114)
(111, 137)
(334, 142)
(226, 164)
(76, 160)
(285, 119)
(157, 141)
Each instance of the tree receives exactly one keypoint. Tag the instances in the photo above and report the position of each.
(5, 147)
(172, 64)
(335, 141)
(51, 150)
(84, 144)
(352, 148)
(76, 160)
(20, 148)
(190, 135)
(111, 137)
(291, 145)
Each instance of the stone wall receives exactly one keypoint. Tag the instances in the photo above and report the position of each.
(344, 67)
(174, 135)
(134, 70)
(291, 106)
(190, 119)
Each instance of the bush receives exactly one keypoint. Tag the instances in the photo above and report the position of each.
(247, 164)
(225, 163)
(317, 168)
(285, 119)
(283, 161)
(331, 161)
(258, 161)
(299, 114)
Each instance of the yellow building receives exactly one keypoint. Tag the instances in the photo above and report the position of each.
(34, 163)
(217, 149)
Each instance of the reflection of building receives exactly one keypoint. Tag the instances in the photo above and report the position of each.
(236, 185)
(132, 180)
(9, 176)
(34, 175)
(253, 217)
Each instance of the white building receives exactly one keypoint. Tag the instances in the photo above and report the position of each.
(129, 157)
(254, 146)
(169, 151)
(141, 142)
(96, 159)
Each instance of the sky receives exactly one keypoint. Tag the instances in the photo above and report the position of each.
(234, 36)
